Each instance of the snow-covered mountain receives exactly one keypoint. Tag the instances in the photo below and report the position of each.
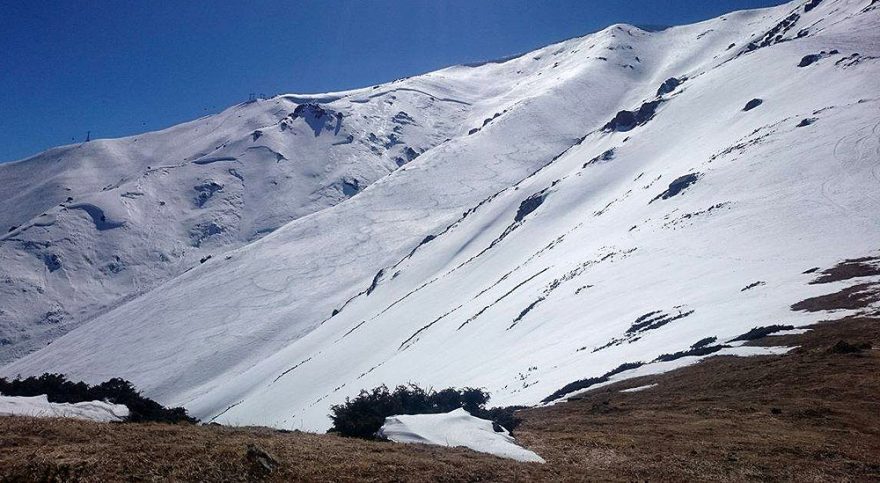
(598, 202)
(87, 227)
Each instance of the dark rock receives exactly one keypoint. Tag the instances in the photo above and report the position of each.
(350, 186)
(316, 117)
(314, 110)
(627, 120)
(206, 191)
(753, 104)
(809, 59)
(52, 261)
(114, 266)
(677, 186)
(774, 35)
(753, 285)
(408, 155)
(703, 342)
(375, 282)
(402, 118)
(811, 5)
(623, 121)
(813, 58)
(669, 85)
(806, 122)
(529, 205)
(261, 464)
(487, 121)
(655, 319)
(55, 316)
(202, 231)
(605, 156)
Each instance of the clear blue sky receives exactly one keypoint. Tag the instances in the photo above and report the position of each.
(120, 67)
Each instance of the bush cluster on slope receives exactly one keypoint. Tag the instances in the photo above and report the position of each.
(58, 389)
(363, 416)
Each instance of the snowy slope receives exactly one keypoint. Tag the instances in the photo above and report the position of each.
(86, 227)
(555, 243)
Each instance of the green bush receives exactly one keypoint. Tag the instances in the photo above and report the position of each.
(58, 389)
(364, 415)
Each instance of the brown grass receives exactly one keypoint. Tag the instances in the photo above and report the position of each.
(858, 296)
(809, 415)
(848, 269)
(806, 416)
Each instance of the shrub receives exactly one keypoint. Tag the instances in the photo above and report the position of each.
(364, 415)
(759, 332)
(592, 381)
(502, 416)
(58, 389)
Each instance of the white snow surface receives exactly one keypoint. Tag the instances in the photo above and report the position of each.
(428, 275)
(639, 388)
(40, 407)
(456, 428)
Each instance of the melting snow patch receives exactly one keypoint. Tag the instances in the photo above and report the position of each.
(792, 332)
(640, 388)
(40, 407)
(456, 428)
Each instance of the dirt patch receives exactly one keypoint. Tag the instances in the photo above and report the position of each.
(847, 269)
(858, 296)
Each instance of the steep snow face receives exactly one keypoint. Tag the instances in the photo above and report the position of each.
(544, 245)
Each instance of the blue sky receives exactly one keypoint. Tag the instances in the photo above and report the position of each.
(120, 68)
